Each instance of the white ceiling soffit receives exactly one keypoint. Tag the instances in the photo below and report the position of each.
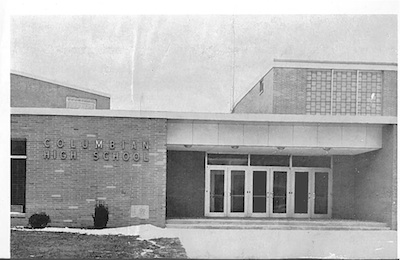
(300, 151)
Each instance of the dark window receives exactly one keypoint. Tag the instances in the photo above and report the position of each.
(311, 161)
(227, 159)
(18, 147)
(18, 175)
(269, 160)
(261, 86)
(18, 182)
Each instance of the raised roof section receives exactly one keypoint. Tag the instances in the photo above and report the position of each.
(327, 88)
(31, 91)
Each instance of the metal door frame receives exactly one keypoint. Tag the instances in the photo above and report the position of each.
(248, 199)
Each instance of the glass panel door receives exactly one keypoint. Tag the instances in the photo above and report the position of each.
(237, 191)
(259, 199)
(279, 192)
(217, 190)
(301, 192)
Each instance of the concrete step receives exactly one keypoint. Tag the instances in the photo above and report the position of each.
(273, 227)
(276, 224)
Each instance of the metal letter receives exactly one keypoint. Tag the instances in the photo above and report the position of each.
(145, 156)
(125, 156)
(73, 155)
(46, 155)
(136, 157)
(115, 156)
(63, 155)
(145, 145)
(46, 143)
(133, 145)
(112, 145)
(123, 145)
(71, 144)
(105, 156)
(95, 156)
(55, 154)
(85, 144)
(60, 143)
(99, 144)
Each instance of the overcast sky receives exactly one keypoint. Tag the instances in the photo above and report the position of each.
(188, 63)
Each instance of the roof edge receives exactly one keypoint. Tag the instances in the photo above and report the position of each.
(337, 62)
(246, 93)
(27, 75)
(212, 117)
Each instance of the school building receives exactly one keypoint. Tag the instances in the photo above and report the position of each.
(310, 140)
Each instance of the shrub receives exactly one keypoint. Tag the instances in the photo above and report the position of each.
(100, 216)
(39, 220)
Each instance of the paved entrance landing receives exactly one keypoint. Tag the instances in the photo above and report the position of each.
(267, 244)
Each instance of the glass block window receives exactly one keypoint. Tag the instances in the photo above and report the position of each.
(344, 93)
(346, 96)
(370, 93)
(318, 100)
(80, 103)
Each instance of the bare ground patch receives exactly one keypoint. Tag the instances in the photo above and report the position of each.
(39, 244)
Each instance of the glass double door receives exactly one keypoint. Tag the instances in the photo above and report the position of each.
(267, 192)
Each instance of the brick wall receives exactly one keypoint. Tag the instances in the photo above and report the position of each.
(185, 184)
(376, 181)
(343, 188)
(68, 189)
(289, 95)
(389, 93)
(28, 92)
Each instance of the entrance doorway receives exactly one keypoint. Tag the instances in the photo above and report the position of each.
(251, 191)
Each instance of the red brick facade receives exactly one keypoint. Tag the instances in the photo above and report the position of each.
(68, 186)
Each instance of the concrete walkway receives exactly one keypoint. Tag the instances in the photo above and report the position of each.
(212, 243)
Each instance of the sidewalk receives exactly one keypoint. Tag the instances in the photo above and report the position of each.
(287, 244)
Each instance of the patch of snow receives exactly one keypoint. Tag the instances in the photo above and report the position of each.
(143, 231)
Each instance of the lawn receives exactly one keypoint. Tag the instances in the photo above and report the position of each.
(39, 244)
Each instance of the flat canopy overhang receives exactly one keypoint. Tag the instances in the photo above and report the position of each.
(254, 133)
(196, 116)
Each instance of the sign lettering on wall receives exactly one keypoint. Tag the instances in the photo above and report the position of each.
(104, 150)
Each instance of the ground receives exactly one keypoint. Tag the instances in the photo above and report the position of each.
(37, 244)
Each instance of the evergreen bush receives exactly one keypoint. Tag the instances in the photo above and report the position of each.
(100, 216)
(39, 220)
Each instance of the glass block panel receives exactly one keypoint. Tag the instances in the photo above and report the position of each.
(318, 89)
(370, 93)
(344, 92)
